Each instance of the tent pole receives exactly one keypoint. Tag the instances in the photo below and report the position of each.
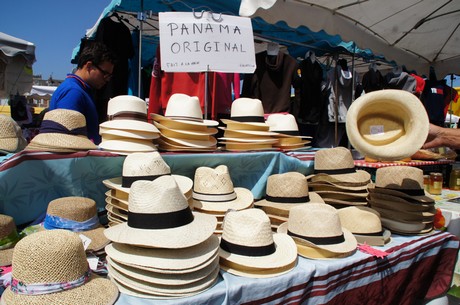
(140, 17)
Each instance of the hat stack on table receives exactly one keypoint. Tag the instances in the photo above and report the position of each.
(127, 130)
(164, 250)
(399, 197)
(288, 135)
(183, 128)
(138, 166)
(246, 129)
(285, 191)
(214, 193)
(337, 180)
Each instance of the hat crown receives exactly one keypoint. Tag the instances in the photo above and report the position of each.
(250, 227)
(244, 106)
(213, 180)
(399, 177)
(126, 103)
(73, 208)
(53, 256)
(159, 196)
(145, 164)
(282, 122)
(7, 225)
(184, 106)
(9, 128)
(70, 119)
(333, 158)
(360, 220)
(315, 220)
(290, 184)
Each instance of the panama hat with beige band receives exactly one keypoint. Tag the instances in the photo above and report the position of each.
(387, 124)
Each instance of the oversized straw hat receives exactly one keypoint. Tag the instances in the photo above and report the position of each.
(337, 165)
(185, 109)
(401, 181)
(11, 139)
(145, 166)
(387, 124)
(365, 225)
(50, 267)
(246, 113)
(9, 236)
(77, 214)
(128, 112)
(318, 225)
(285, 191)
(159, 216)
(213, 190)
(248, 247)
(62, 130)
(285, 125)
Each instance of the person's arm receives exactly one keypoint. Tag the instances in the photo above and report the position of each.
(439, 137)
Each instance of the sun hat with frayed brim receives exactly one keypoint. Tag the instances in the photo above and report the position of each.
(337, 165)
(56, 257)
(213, 190)
(285, 191)
(11, 138)
(365, 225)
(9, 236)
(159, 216)
(78, 210)
(248, 245)
(318, 225)
(246, 114)
(387, 124)
(62, 130)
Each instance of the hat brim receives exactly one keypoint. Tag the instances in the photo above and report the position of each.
(245, 271)
(249, 140)
(113, 134)
(237, 125)
(359, 178)
(420, 216)
(247, 132)
(158, 117)
(332, 186)
(183, 127)
(130, 125)
(423, 199)
(317, 253)
(244, 200)
(128, 145)
(61, 142)
(123, 214)
(373, 240)
(209, 142)
(282, 209)
(10, 145)
(406, 228)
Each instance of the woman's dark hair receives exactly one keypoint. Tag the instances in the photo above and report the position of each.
(96, 52)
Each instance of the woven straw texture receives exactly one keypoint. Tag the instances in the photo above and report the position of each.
(11, 139)
(7, 226)
(360, 220)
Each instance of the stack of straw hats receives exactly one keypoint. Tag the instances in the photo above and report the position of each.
(246, 129)
(9, 236)
(318, 232)
(79, 215)
(62, 130)
(11, 138)
(183, 128)
(288, 135)
(127, 130)
(214, 193)
(250, 248)
(365, 224)
(285, 191)
(50, 267)
(164, 250)
(336, 179)
(138, 166)
(399, 197)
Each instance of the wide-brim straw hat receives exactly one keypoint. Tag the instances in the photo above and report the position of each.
(387, 124)
(77, 209)
(57, 256)
(112, 134)
(128, 145)
(391, 202)
(250, 229)
(285, 191)
(9, 236)
(285, 125)
(421, 216)
(213, 191)
(207, 142)
(185, 133)
(159, 216)
(257, 140)
(406, 227)
(401, 181)
(164, 123)
(246, 113)
(117, 212)
(142, 129)
(11, 138)
(332, 186)
(337, 165)
(166, 145)
(247, 133)
(365, 225)
(62, 130)
(239, 146)
(318, 225)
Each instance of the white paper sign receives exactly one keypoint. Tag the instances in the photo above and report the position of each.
(195, 42)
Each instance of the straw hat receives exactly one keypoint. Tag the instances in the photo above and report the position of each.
(193, 141)
(213, 191)
(127, 145)
(128, 112)
(248, 246)
(165, 123)
(11, 139)
(401, 181)
(145, 166)
(9, 236)
(77, 214)
(317, 225)
(159, 216)
(62, 130)
(110, 134)
(246, 113)
(285, 125)
(185, 109)
(365, 225)
(406, 227)
(285, 191)
(55, 257)
(387, 124)
(337, 165)
(392, 202)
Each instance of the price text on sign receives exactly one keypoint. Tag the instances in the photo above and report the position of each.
(211, 42)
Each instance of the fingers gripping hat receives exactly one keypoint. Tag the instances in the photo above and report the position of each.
(11, 138)
(387, 124)
(9, 236)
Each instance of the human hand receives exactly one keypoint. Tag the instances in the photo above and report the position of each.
(435, 137)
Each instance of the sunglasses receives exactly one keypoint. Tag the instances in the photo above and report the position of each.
(107, 75)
